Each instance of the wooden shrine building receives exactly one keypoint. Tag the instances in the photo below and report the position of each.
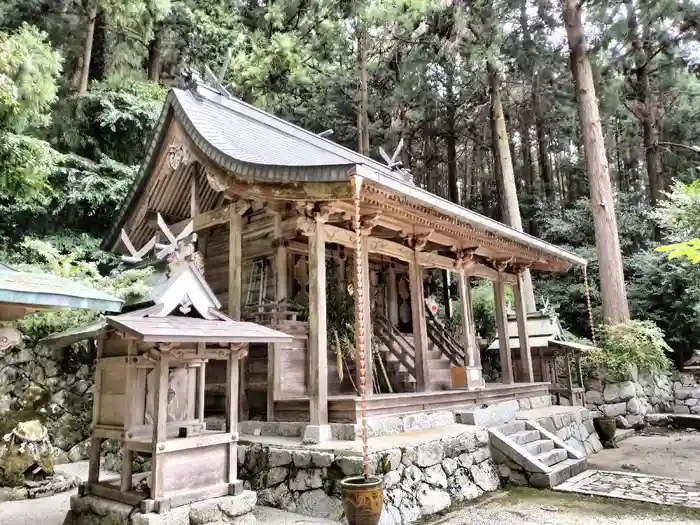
(272, 206)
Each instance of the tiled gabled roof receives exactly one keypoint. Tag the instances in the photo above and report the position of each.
(258, 146)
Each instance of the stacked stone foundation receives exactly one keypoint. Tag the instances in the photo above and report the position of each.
(419, 480)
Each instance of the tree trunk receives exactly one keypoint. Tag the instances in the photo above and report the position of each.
(646, 107)
(542, 144)
(87, 50)
(362, 114)
(98, 56)
(509, 198)
(155, 53)
(612, 282)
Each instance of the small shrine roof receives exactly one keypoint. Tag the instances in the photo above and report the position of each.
(47, 291)
(174, 329)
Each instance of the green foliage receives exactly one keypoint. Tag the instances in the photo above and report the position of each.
(28, 72)
(638, 343)
(25, 166)
(114, 119)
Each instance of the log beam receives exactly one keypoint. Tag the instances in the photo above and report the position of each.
(521, 315)
(502, 323)
(420, 331)
(318, 344)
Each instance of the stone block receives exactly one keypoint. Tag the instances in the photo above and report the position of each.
(490, 416)
(621, 422)
(432, 500)
(412, 477)
(635, 420)
(325, 459)
(384, 426)
(275, 476)
(611, 394)
(461, 487)
(481, 454)
(637, 407)
(301, 458)
(681, 409)
(657, 419)
(690, 402)
(279, 497)
(429, 454)
(219, 509)
(682, 393)
(525, 404)
(392, 479)
(627, 390)
(318, 504)
(541, 401)
(616, 409)
(13, 493)
(449, 465)
(177, 516)
(278, 457)
(435, 476)
(482, 438)
(306, 479)
(485, 476)
(350, 465)
(314, 434)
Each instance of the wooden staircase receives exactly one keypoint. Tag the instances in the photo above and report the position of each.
(398, 353)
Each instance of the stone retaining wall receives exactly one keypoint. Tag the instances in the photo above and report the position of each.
(575, 428)
(630, 401)
(420, 480)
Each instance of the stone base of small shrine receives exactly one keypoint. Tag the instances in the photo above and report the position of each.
(233, 510)
(55, 484)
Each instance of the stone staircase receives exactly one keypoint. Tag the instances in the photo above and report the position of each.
(544, 459)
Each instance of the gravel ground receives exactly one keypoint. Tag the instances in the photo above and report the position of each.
(671, 454)
(532, 507)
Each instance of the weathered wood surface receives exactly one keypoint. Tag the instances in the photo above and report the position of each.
(420, 330)
(318, 338)
(502, 324)
(521, 316)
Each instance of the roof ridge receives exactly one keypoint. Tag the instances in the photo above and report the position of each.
(315, 140)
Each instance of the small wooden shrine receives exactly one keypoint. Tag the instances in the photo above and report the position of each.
(150, 377)
(555, 360)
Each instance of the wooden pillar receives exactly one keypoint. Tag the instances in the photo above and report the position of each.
(235, 286)
(232, 387)
(201, 383)
(160, 423)
(235, 276)
(367, 306)
(318, 344)
(521, 315)
(473, 374)
(420, 330)
(502, 323)
(341, 263)
(393, 296)
(274, 351)
(281, 260)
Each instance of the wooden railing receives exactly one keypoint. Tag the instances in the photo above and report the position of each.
(443, 339)
(395, 342)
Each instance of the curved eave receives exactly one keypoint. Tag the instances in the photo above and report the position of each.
(425, 198)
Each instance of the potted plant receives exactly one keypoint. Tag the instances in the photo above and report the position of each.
(362, 496)
(605, 427)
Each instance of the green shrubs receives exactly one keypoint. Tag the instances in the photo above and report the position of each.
(623, 346)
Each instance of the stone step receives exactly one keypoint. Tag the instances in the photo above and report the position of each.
(511, 428)
(553, 457)
(559, 473)
(439, 364)
(525, 436)
(539, 446)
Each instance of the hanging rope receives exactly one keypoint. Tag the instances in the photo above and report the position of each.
(360, 315)
(588, 300)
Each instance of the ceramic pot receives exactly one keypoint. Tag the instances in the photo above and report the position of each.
(362, 500)
(605, 427)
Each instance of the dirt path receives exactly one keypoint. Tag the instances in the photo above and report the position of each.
(542, 507)
(670, 454)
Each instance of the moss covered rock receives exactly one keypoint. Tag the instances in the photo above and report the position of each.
(24, 446)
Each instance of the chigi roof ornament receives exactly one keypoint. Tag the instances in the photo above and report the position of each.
(395, 164)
